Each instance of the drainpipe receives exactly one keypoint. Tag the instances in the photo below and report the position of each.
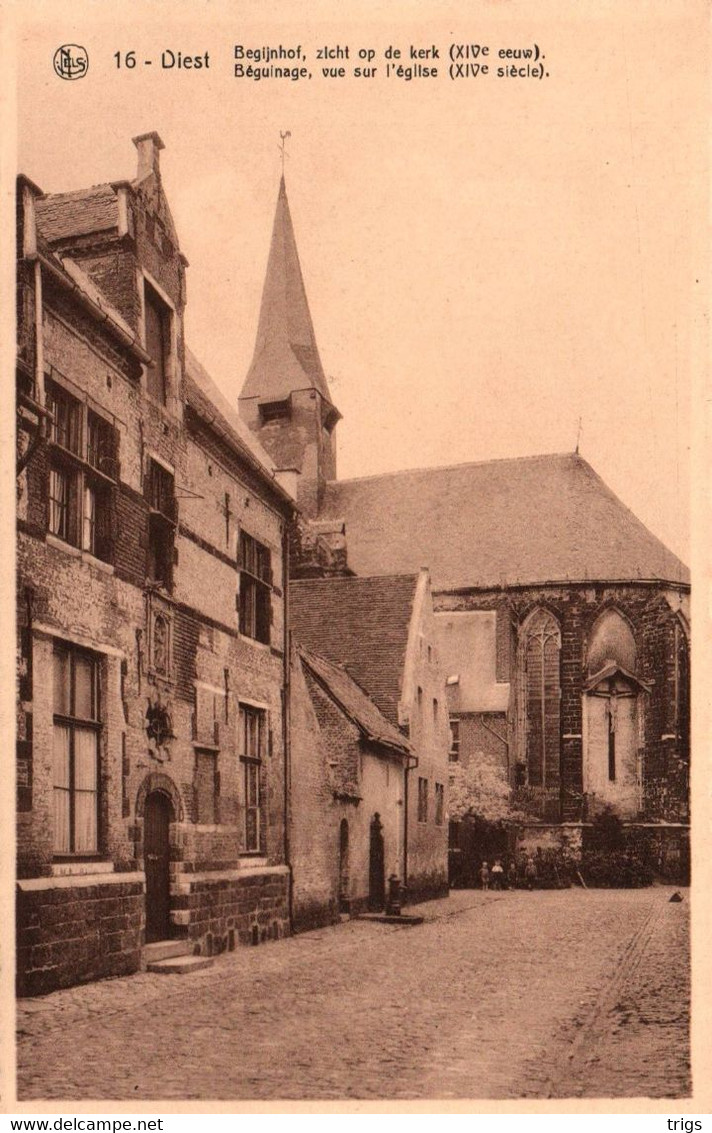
(406, 783)
(286, 730)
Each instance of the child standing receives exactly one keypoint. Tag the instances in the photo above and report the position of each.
(484, 875)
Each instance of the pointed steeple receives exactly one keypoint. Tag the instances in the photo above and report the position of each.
(286, 357)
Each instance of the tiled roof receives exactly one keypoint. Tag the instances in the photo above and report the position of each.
(354, 702)
(211, 405)
(501, 522)
(62, 215)
(286, 356)
(361, 624)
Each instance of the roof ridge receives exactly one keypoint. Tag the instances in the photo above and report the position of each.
(461, 464)
(77, 192)
(356, 578)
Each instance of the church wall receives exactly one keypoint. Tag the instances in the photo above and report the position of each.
(652, 612)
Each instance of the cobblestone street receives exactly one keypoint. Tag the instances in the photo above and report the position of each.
(497, 995)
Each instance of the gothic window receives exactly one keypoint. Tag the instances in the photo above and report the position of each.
(682, 690)
(611, 640)
(542, 696)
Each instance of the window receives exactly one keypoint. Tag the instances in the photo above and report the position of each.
(160, 491)
(422, 800)
(255, 589)
(542, 696)
(158, 343)
(253, 742)
(454, 739)
(83, 470)
(76, 751)
(682, 690)
(205, 787)
(439, 803)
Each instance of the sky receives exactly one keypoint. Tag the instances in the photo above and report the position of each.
(495, 267)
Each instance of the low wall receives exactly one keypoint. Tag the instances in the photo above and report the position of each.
(72, 930)
(217, 911)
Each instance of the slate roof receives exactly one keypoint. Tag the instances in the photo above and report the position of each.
(354, 702)
(361, 624)
(63, 215)
(211, 405)
(500, 522)
(286, 356)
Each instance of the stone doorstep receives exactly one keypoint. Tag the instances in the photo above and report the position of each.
(385, 918)
(166, 950)
(180, 965)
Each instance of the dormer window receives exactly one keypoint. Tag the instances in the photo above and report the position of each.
(157, 316)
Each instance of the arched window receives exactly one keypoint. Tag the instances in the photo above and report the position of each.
(542, 696)
(611, 640)
(682, 690)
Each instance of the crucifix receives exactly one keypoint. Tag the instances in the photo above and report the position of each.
(283, 146)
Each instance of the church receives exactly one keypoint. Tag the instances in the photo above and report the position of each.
(562, 622)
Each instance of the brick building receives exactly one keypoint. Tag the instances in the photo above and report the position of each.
(152, 565)
(563, 623)
(350, 770)
(381, 632)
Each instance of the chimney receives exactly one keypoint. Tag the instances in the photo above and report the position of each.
(149, 147)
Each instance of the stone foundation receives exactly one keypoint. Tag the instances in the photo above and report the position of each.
(217, 911)
(72, 930)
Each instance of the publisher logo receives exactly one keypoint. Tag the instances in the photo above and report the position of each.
(71, 61)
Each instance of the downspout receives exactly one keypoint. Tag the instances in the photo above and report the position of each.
(406, 784)
(286, 729)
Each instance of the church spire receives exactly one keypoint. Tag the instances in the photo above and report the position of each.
(286, 357)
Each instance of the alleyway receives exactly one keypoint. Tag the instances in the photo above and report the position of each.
(497, 995)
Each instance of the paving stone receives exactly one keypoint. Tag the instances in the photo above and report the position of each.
(483, 1000)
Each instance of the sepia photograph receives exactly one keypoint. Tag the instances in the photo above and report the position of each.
(359, 360)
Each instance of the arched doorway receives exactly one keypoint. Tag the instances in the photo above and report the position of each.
(344, 866)
(376, 866)
(158, 815)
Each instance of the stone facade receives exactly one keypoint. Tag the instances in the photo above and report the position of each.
(152, 560)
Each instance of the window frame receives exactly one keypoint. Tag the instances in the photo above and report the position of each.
(75, 456)
(255, 588)
(252, 756)
(74, 723)
(453, 754)
(423, 792)
(155, 301)
(439, 803)
(160, 494)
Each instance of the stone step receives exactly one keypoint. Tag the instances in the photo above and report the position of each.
(389, 918)
(164, 949)
(180, 965)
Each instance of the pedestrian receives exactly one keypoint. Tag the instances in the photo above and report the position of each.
(497, 874)
(530, 871)
(512, 873)
(484, 876)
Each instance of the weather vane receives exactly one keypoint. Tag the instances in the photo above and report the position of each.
(282, 146)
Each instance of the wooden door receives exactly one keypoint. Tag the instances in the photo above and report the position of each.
(158, 815)
(376, 866)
